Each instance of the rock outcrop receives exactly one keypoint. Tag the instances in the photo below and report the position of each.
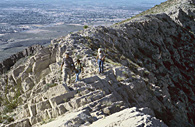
(148, 79)
(129, 118)
(6, 64)
(181, 11)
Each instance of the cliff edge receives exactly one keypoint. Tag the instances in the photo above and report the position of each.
(148, 79)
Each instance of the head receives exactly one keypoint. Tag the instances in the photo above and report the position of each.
(78, 61)
(66, 55)
(99, 50)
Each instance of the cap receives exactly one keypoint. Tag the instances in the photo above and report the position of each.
(67, 53)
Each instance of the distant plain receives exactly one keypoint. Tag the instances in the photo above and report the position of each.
(26, 22)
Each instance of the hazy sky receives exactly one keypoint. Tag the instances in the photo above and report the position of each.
(108, 2)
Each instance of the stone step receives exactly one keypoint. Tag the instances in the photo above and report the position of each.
(70, 119)
(63, 109)
(82, 100)
(59, 108)
(92, 93)
(62, 98)
(49, 103)
(21, 123)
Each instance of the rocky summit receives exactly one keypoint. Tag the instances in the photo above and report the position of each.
(149, 77)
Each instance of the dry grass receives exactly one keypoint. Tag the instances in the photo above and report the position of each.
(155, 10)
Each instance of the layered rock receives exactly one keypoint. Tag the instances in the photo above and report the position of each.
(165, 52)
(181, 11)
(149, 75)
(6, 64)
(129, 118)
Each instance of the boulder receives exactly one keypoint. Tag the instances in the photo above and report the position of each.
(129, 117)
(32, 110)
(27, 84)
(8, 63)
(42, 106)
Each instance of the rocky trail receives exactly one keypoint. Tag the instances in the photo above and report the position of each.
(80, 104)
(148, 78)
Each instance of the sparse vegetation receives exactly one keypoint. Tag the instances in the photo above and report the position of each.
(146, 73)
(6, 119)
(155, 10)
(78, 56)
(85, 26)
(79, 92)
(112, 62)
(134, 76)
(51, 85)
(125, 74)
(12, 103)
(9, 107)
(119, 78)
(122, 57)
(117, 106)
(44, 121)
(107, 103)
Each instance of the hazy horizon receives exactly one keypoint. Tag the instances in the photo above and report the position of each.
(21, 21)
(89, 2)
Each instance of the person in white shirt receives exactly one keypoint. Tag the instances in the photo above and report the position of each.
(100, 59)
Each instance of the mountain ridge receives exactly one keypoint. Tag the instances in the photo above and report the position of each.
(149, 72)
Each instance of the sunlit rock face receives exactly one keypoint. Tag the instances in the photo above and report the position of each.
(149, 75)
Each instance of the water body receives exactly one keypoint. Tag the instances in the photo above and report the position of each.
(27, 22)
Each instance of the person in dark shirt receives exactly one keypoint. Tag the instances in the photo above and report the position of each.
(67, 67)
(79, 68)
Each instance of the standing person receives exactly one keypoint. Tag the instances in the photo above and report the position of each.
(79, 67)
(100, 59)
(68, 67)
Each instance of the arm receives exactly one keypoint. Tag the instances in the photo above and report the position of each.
(72, 64)
(82, 68)
(62, 65)
(103, 58)
(97, 58)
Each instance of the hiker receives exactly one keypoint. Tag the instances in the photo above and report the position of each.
(100, 59)
(68, 67)
(79, 68)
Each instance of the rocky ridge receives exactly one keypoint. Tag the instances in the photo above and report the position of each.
(181, 11)
(6, 64)
(149, 76)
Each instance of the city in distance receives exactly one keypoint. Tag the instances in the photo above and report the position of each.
(27, 22)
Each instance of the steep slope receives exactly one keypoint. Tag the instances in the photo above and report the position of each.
(181, 11)
(163, 48)
(149, 72)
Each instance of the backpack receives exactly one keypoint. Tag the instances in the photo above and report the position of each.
(78, 68)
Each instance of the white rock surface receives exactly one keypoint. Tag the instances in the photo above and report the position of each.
(129, 117)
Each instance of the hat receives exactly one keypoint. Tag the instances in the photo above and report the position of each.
(67, 53)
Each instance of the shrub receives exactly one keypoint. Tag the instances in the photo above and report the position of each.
(119, 78)
(125, 74)
(85, 26)
(78, 56)
(112, 62)
(4, 118)
(51, 85)
(10, 106)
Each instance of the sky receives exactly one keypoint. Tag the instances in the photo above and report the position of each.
(100, 2)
